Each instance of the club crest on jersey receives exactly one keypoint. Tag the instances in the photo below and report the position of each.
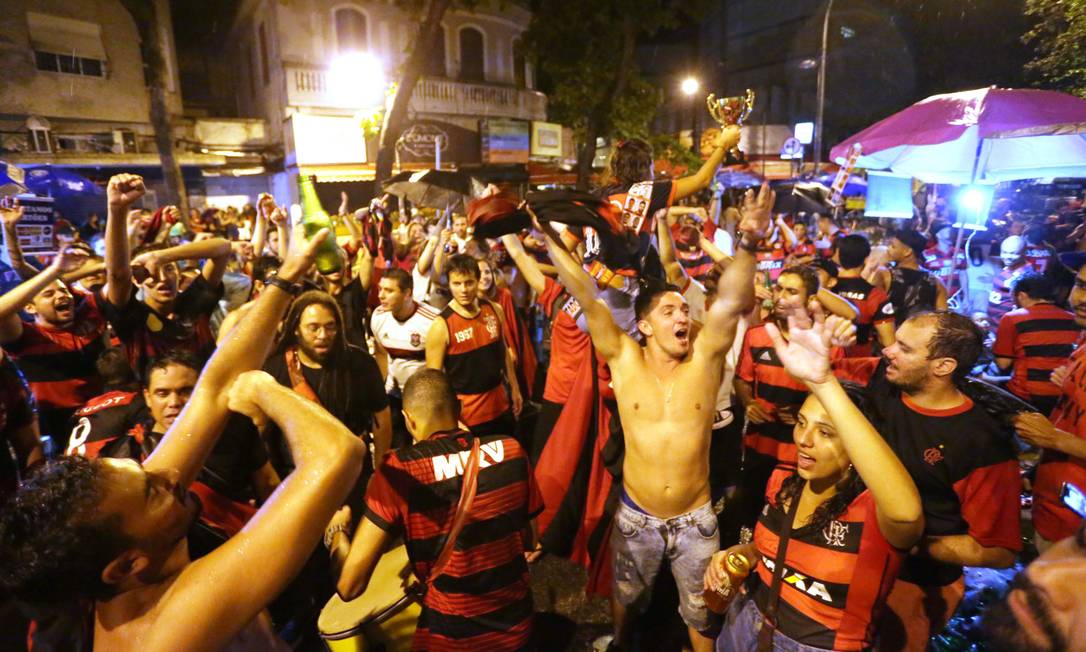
(492, 326)
(416, 339)
(933, 455)
(835, 534)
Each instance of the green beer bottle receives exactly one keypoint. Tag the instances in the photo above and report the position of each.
(314, 218)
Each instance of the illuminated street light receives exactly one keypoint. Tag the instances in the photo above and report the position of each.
(357, 80)
(690, 86)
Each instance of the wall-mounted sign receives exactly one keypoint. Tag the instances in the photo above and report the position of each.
(504, 141)
(35, 230)
(546, 139)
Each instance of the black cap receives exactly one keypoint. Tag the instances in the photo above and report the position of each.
(912, 240)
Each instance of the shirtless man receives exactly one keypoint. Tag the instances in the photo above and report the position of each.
(114, 531)
(666, 390)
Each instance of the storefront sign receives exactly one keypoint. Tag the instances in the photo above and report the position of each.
(505, 141)
(35, 230)
(418, 143)
(546, 139)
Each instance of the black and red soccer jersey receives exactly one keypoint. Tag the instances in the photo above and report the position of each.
(802, 249)
(475, 363)
(835, 581)
(774, 389)
(59, 364)
(568, 342)
(145, 334)
(103, 419)
(938, 262)
(1000, 298)
(1039, 339)
(874, 306)
(912, 291)
(964, 466)
(770, 259)
(482, 601)
(1051, 518)
(1038, 256)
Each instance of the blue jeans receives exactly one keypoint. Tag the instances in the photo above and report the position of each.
(740, 633)
(640, 542)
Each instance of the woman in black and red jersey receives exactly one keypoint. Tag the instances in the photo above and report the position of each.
(831, 539)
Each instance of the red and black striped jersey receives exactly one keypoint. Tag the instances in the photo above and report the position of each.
(834, 582)
(874, 306)
(103, 419)
(475, 363)
(1038, 256)
(1000, 298)
(1050, 516)
(483, 599)
(770, 259)
(774, 388)
(568, 342)
(145, 334)
(59, 363)
(1039, 339)
(803, 248)
(938, 263)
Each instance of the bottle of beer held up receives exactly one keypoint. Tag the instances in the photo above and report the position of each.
(314, 218)
(736, 567)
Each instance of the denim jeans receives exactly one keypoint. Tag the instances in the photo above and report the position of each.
(639, 544)
(740, 633)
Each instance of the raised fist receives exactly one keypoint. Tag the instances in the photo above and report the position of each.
(123, 189)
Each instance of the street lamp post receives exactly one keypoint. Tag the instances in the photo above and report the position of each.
(822, 86)
(690, 87)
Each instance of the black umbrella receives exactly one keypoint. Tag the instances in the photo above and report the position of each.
(433, 188)
(802, 197)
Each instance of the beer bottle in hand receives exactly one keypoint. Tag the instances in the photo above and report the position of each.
(314, 218)
(736, 567)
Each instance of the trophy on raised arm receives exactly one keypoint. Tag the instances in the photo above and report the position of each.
(731, 110)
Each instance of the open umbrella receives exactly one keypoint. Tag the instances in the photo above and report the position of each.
(794, 196)
(59, 183)
(986, 135)
(434, 188)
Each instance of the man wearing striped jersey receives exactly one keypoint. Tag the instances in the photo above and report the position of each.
(399, 327)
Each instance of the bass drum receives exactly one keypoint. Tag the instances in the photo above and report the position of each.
(382, 618)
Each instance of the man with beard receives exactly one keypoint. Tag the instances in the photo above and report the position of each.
(666, 392)
(56, 351)
(114, 531)
(399, 326)
(963, 463)
(1063, 437)
(165, 318)
(1045, 607)
(313, 358)
(468, 343)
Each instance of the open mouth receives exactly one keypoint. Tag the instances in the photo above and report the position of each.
(682, 333)
(805, 461)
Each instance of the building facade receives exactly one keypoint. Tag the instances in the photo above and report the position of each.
(297, 65)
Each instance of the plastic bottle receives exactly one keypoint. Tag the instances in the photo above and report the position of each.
(314, 218)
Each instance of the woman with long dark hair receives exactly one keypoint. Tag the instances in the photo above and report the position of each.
(835, 529)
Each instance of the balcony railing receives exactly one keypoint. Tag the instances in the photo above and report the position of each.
(308, 87)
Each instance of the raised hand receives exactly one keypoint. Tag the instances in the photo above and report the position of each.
(265, 204)
(728, 138)
(149, 261)
(68, 260)
(10, 214)
(301, 253)
(806, 352)
(123, 189)
(755, 215)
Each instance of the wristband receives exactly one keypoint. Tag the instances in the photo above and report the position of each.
(752, 246)
(293, 289)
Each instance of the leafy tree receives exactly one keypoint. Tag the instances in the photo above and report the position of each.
(1059, 39)
(586, 51)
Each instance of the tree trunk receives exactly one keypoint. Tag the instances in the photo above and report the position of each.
(144, 13)
(599, 122)
(393, 124)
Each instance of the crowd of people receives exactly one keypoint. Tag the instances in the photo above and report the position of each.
(209, 438)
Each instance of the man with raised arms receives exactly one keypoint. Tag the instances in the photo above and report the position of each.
(114, 531)
(666, 390)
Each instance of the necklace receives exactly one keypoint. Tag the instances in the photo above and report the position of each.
(668, 390)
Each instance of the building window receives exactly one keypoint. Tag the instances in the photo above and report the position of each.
(472, 55)
(66, 63)
(435, 63)
(39, 141)
(262, 37)
(351, 32)
(520, 75)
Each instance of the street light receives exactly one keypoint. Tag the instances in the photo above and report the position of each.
(822, 85)
(690, 87)
(357, 80)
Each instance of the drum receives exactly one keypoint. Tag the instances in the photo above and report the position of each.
(385, 615)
